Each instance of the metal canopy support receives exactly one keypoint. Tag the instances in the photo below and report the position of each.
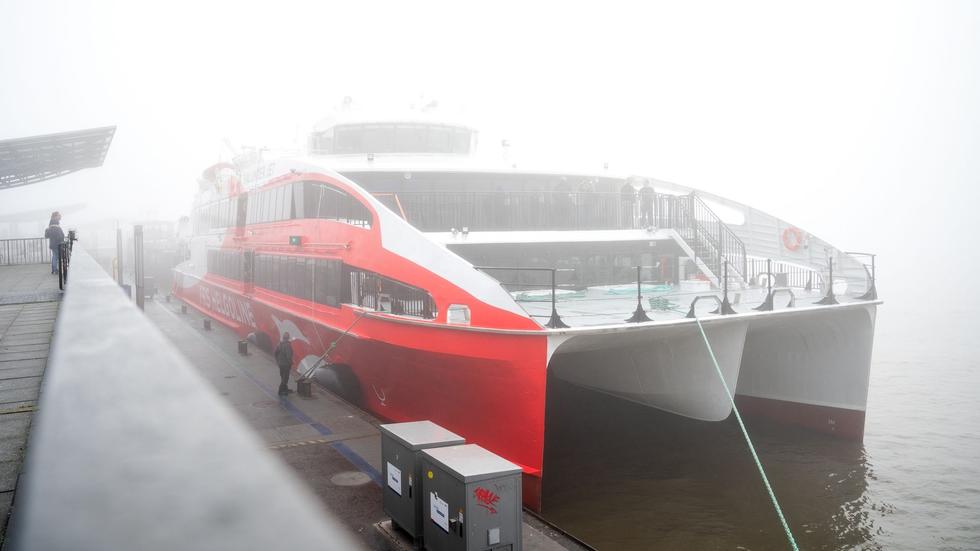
(25, 161)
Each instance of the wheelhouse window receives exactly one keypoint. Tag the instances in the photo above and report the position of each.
(393, 138)
(306, 200)
(325, 202)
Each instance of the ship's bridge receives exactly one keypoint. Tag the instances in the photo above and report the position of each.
(393, 137)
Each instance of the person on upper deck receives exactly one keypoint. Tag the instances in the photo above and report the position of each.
(55, 237)
(647, 197)
(627, 199)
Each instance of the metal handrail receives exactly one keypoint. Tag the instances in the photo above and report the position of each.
(27, 250)
(555, 322)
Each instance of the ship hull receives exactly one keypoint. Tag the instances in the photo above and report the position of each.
(810, 368)
(487, 386)
(663, 366)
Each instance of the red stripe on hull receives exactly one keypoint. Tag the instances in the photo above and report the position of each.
(843, 423)
(487, 387)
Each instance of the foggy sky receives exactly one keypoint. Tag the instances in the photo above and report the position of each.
(859, 122)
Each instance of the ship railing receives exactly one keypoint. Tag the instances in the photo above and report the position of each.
(783, 274)
(27, 250)
(133, 449)
(774, 277)
(512, 210)
(439, 211)
(555, 321)
(867, 262)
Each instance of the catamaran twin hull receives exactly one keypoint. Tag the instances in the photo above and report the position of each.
(486, 380)
(807, 367)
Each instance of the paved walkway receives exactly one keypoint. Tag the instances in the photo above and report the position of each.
(334, 447)
(29, 300)
(28, 283)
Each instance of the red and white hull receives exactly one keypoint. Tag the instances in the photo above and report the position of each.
(485, 378)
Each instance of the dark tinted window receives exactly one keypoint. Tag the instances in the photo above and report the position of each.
(390, 138)
(329, 280)
(326, 202)
(295, 276)
(271, 205)
(225, 263)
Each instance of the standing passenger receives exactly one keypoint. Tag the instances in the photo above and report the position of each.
(647, 197)
(284, 358)
(627, 199)
(55, 238)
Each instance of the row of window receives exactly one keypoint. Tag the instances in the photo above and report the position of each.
(297, 200)
(322, 280)
(225, 263)
(217, 215)
(392, 138)
(315, 279)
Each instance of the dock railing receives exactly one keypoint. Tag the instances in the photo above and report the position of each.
(133, 449)
(28, 250)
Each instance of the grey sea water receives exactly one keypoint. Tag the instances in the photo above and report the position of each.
(624, 477)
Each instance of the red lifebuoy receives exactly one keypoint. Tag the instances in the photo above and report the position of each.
(792, 238)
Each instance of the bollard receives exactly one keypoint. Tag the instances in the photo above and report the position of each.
(304, 387)
(183, 308)
(243, 347)
(207, 324)
(166, 297)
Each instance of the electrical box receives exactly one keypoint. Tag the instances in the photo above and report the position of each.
(471, 500)
(401, 444)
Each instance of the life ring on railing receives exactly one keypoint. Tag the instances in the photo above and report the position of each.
(792, 238)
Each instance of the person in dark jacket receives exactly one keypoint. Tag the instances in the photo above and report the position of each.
(284, 358)
(647, 198)
(55, 238)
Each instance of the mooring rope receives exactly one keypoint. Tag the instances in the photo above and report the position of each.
(745, 433)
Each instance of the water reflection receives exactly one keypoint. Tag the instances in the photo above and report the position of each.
(622, 476)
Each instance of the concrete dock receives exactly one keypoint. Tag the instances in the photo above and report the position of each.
(332, 446)
(29, 300)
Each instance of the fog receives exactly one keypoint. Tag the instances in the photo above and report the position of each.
(857, 122)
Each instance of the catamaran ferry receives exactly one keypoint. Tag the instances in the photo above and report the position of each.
(428, 282)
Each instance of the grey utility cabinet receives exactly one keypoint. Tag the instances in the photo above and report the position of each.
(471, 500)
(401, 444)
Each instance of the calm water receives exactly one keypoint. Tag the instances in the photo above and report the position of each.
(621, 476)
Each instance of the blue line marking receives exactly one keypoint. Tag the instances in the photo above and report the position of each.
(297, 414)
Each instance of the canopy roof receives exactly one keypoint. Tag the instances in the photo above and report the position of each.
(34, 159)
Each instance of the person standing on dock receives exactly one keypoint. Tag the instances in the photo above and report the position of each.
(284, 358)
(55, 237)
